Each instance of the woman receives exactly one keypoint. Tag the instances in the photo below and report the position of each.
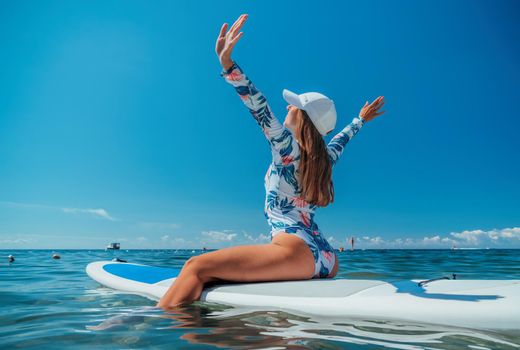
(297, 182)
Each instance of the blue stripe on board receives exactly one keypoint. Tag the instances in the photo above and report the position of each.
(144, 274)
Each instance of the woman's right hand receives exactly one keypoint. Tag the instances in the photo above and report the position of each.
(370, 111)
(226, 41)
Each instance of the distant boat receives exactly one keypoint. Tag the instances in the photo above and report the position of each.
(351, 242)
(113, 246)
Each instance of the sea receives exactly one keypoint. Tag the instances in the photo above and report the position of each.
(53, 304)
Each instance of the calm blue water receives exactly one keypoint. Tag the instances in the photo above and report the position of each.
(51, 304)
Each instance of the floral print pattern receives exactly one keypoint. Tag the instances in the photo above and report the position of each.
(284, 208)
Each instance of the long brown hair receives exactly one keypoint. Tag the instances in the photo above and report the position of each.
(315, 166)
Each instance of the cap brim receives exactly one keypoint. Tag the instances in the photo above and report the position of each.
(292, 98)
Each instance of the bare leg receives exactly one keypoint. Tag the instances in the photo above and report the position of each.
(287, 257)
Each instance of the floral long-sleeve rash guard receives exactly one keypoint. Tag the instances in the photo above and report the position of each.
(285, 209)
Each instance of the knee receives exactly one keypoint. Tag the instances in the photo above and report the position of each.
(192, 264)
(196, 266)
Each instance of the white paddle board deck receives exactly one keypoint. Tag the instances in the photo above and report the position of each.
(481, 304)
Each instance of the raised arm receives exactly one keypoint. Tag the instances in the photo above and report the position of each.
(368, 112)
(337, 144)
(277, 135)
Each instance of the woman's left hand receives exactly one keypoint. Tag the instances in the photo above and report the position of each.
(227, 40)
(370, 111)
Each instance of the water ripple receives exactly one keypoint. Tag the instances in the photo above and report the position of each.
(48, 304)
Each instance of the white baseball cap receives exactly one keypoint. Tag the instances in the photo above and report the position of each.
(319, 108)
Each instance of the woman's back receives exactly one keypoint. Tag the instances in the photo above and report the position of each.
(285, 206)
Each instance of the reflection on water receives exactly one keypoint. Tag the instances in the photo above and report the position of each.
(50, 304)
(242, 328)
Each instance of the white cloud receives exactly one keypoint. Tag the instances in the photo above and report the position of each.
(17, 241)
(372, 240)
(507, 237)
(177, 243)
(430, 240)
(479, 237)
(377, 240)
(182, 241)
(102, 213)
(261, 238)
(227, 238)
(219, 236)
(470, 237)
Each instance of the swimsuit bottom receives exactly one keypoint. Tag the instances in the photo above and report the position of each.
(324, 255)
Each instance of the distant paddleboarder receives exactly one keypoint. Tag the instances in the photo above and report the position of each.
(351, 242)
(297, 182)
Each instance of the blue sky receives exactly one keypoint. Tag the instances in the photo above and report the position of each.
(116, 126)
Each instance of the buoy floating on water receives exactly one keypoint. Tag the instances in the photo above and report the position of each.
(56, 256)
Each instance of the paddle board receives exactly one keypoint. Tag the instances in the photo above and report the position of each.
(480, 304)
